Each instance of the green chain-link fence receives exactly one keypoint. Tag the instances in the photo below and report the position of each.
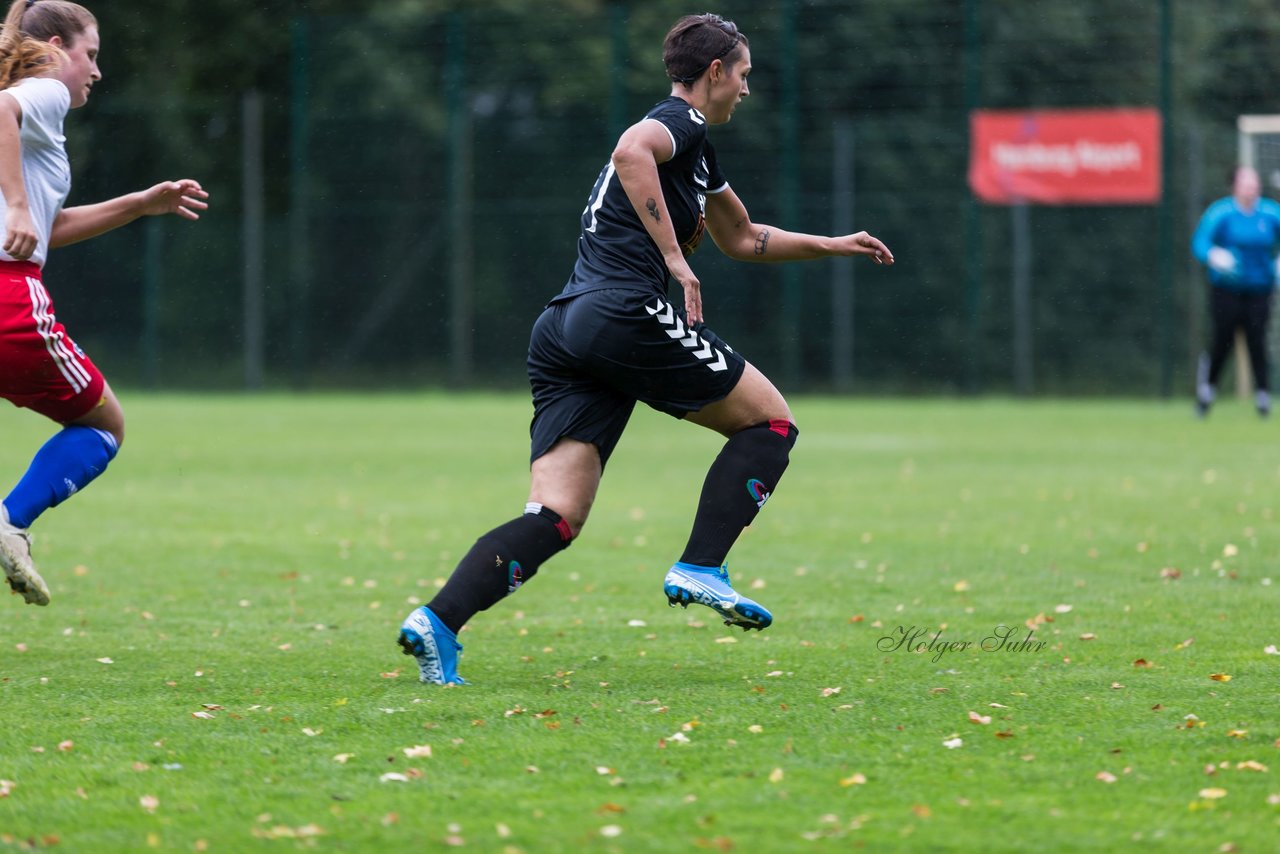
(423, 173)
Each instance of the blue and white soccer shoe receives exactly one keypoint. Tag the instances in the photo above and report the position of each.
(434, 647)
(706, 585)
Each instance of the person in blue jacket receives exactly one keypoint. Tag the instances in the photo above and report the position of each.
(1237, 239)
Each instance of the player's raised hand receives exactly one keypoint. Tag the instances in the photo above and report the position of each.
(186, 198)
(864, 244)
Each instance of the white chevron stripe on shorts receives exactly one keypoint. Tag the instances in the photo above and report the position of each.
(71, 369)
(665, 314)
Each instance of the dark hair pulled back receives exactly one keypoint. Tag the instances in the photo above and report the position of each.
(696, 41)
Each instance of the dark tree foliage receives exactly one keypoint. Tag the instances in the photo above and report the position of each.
(382, 89)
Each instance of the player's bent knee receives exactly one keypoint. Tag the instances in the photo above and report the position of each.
(118, 435)
(571, 523)
(107, 417)
(571, 509)
(786, 428)
(524, 544)
(575, 528)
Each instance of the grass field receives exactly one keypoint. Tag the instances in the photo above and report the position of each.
(217, 670)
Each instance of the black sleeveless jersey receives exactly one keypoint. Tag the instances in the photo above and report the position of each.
(614, 250)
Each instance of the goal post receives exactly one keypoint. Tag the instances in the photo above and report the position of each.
(1259, 142)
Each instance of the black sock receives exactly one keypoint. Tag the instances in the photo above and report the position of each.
(499, 563)
(738, 484)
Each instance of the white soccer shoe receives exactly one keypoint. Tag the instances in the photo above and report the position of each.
(19, 570)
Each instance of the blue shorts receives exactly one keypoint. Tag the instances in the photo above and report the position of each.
(593, 356)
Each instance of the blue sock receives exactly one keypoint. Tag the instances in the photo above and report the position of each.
(62, 467)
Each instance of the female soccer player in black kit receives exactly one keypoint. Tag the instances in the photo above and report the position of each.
(612, 338)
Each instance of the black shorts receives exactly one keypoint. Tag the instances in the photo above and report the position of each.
(593, 356)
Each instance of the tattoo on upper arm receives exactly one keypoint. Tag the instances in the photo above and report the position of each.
(652, 206)
(740, 223)
(762, 242)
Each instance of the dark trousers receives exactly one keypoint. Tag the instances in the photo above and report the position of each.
(1248, 310)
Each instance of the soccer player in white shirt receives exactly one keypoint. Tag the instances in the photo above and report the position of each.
(49, 65)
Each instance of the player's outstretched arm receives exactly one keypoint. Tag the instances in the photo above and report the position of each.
(185, 198)
(738, 237)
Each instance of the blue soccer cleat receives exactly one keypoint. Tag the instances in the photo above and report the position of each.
(706, 585)
(435, 647)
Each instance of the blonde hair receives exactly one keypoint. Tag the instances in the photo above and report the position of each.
(24, 37)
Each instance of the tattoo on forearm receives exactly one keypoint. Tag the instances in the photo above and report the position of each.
(652, 206)
(762, 242)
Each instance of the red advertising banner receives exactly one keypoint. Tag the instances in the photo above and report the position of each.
(1064, 157)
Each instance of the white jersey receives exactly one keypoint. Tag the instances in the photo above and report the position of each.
(45, 167)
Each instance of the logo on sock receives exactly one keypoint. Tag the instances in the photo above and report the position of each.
(515, 577)
(758, 493)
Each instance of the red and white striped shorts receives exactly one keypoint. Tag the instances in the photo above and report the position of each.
(41, 368)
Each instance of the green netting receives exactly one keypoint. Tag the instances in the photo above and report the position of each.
(425, 170)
